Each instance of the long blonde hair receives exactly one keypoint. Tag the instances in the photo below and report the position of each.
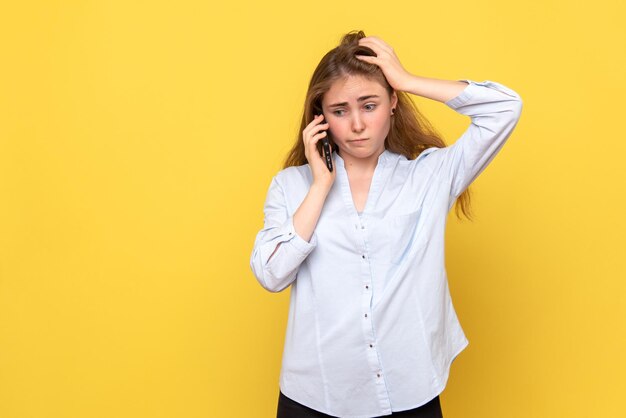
(410, 132)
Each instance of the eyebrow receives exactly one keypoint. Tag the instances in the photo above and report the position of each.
(360, 99)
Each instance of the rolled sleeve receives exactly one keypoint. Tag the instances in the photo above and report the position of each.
(305, 247)
(278, 249)
(495, 111)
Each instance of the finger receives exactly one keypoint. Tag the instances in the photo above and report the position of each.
(380, 53)
(316, 128)
(313, 137)
(315, 122)
(312, 146)
(316, 118)
(375, 43)
(367, 58)
(369, 44)
(375, 40)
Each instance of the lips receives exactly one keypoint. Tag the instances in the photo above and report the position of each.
(358, 139)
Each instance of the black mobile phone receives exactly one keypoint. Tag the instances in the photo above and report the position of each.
(327, 154)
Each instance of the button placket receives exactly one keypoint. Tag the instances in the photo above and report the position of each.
(367, 295)
(366, 270)
(368, 326)
(372, 356)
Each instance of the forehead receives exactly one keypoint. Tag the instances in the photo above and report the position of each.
(350, 88)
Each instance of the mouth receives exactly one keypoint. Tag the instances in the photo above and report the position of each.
(358, 140)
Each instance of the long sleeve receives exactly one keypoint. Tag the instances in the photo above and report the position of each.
(371, 299)
(276, 272)
(494, 110)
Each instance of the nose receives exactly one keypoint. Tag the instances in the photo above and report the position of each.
(357, 123)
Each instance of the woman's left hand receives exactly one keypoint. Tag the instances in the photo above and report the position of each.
(388, 62)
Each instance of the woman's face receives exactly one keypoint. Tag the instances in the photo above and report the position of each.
(358, 111)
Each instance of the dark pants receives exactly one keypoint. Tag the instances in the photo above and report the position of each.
(288, 408)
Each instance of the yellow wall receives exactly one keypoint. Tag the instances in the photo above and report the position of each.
(137, 142)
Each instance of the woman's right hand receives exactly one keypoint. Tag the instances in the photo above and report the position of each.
(314, 132)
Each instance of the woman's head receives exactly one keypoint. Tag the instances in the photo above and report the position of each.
(389, 121)
(340, 77)
(358, 111)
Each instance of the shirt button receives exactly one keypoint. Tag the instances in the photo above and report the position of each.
(371, 346)
(377, 374)
(367, 287)
(366, 315)
(363, 256)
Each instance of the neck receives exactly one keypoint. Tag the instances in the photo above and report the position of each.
(361, 166)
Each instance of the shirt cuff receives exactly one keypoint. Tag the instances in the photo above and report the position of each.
(297, 241)
(464, 96)
(473, 88)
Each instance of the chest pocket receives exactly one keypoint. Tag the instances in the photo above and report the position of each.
(403, 231)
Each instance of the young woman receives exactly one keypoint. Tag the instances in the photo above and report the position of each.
(371, 328)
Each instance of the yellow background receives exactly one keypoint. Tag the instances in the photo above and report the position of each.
(137, 142)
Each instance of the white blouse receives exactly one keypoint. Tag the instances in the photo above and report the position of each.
(371, 325)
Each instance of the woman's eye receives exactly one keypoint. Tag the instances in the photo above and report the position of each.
(369, 107)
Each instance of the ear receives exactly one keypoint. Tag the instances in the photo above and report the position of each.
(394, 100)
